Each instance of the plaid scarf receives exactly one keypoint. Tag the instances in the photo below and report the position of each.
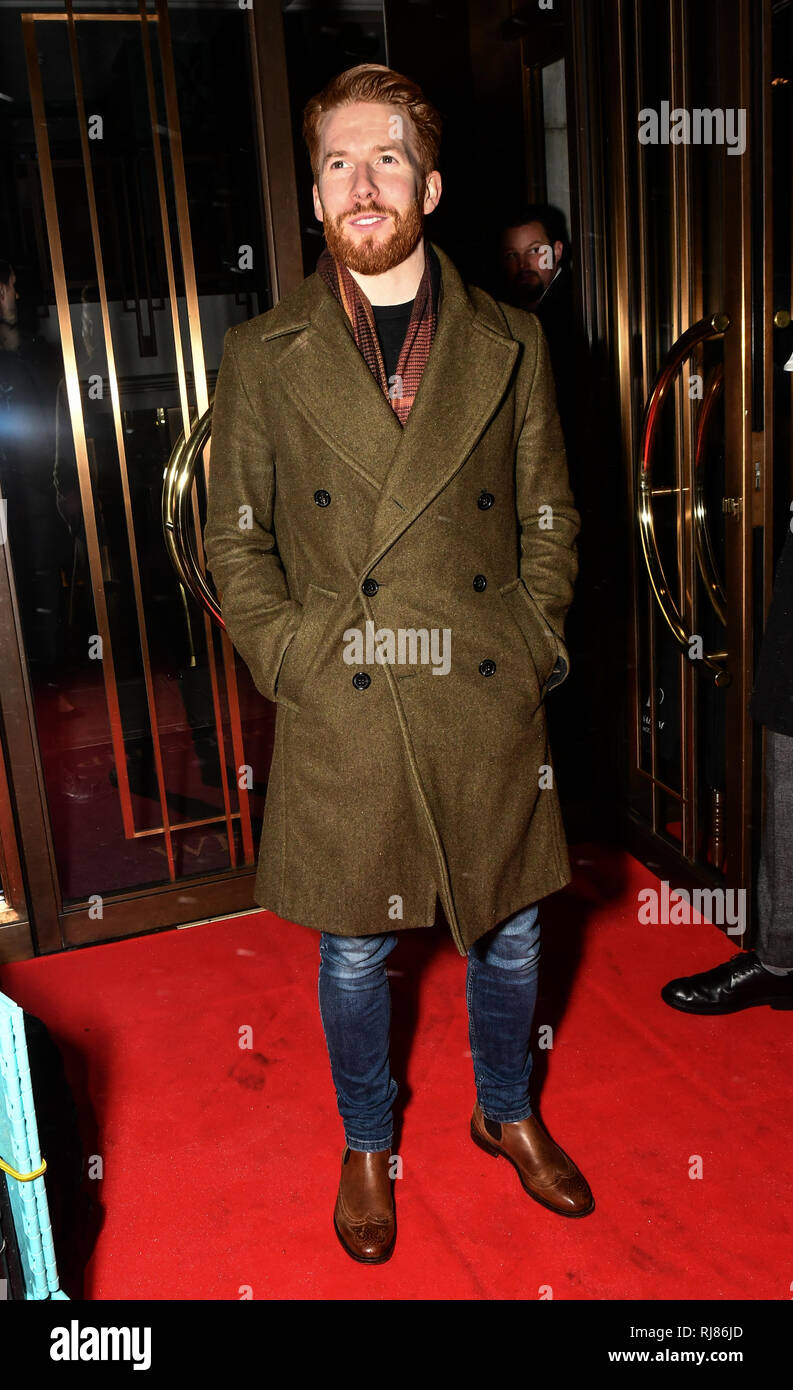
(418, 339)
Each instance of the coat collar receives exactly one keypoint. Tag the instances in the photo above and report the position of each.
(467, 373)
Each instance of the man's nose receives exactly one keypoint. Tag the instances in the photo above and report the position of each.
(364, 185)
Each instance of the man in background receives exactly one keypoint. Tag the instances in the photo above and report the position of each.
(535, 255)
(534, 259)
(763, 975)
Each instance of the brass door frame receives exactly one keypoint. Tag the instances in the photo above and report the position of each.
(231, 891)
(27, 822)
(629, 283)
(739, 478)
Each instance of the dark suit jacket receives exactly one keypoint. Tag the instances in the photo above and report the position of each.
(772, 698)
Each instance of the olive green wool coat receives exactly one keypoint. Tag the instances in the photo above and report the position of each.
(394, 781)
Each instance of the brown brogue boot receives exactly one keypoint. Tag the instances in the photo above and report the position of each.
(545, 1170)
(365, 1216)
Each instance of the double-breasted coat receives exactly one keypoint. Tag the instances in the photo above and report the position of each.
(402, 770)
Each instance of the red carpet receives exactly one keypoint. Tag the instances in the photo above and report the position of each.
(221, 1165)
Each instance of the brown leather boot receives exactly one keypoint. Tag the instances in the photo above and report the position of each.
(365, 1217)
(545, 1170)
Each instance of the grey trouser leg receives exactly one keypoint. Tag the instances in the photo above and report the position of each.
(774, 937)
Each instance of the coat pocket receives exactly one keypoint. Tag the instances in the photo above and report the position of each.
(541, 645)
(304, 649)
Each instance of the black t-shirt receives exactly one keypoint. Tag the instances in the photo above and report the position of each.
(391, 322)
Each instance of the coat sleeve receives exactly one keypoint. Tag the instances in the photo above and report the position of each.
(548, 518)
(239, 539)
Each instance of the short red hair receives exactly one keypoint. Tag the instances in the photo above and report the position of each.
(375, 83)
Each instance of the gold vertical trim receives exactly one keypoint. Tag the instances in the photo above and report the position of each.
(202, 400)
(621, 268)
(75, 410)
(11, 880)
(735, 52)
(143, 18)
(274, 132)
(647, 378)
(269, 220)
(681, 194)
(764, 503)
(120, 444)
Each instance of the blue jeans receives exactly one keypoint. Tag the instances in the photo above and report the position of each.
(355, 1008)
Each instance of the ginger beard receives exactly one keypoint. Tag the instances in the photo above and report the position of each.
(372, 254)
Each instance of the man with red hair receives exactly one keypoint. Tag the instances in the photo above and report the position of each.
(392, 534)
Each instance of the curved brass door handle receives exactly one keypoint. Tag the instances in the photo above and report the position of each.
(177, 491)
(706, 559)
(713, 327)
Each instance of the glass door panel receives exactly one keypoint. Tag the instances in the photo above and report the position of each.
(684, 180)
(143, 239)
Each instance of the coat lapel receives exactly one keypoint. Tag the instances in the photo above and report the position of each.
(467, 373)
(330, 383)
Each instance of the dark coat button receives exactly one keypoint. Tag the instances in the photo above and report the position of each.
(322, 498)
(370, 587)
(361, 680)
(487, 668)
(484, 501)
(480, 583)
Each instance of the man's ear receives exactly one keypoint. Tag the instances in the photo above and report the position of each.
(558, 252)
(433, 187)
(320, 216)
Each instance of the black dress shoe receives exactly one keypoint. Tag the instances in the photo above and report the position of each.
(739, 983)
